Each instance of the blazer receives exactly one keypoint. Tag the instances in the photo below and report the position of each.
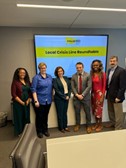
(117, 86)
(86, 85)
(59, 89)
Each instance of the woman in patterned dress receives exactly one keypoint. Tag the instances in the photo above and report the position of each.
(98, 92)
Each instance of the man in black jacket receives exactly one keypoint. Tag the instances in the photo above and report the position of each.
(116, 85)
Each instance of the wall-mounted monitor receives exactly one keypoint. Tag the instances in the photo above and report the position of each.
(67, 50)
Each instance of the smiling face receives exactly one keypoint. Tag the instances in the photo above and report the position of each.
(96, 66)
(113, 62)
(43, 69)
(22, 74)
(60, 72)
(79, 68)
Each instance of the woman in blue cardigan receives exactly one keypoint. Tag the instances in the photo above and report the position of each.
(62, 89)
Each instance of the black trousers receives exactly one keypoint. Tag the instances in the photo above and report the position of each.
(42, 118)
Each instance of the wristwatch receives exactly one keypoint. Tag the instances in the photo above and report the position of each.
(35, 101)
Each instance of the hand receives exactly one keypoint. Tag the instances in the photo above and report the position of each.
(37, 104)
(101, 99)
(80, 97)
(67, 97)
(22, 103)
(27, 102)
(117, 100)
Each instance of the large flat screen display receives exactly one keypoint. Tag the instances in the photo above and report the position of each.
(67, 50)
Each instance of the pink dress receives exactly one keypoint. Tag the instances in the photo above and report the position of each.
(98, 90)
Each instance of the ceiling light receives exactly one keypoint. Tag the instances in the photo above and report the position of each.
(71, 7)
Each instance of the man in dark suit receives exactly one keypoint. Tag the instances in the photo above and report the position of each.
(81, 86)
(116, 85)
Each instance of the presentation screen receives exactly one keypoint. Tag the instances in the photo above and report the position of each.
(67, 50)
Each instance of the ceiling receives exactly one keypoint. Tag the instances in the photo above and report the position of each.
(11, 15)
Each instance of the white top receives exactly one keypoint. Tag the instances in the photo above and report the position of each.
(64, 85)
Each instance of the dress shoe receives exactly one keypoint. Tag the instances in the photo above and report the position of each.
(76, 128)
(99, 128)
(109, 125)
(94, 127)
(40, 135)
(89, 130)
(46, 134)
(63, 131)
(67, 129)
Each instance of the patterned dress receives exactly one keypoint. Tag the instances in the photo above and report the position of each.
(98, 90)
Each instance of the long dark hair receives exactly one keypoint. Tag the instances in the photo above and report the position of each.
(16, 75)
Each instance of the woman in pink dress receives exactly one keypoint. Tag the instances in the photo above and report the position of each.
(98, 92)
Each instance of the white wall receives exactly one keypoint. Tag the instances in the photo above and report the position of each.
(52, 122)
(17, 49)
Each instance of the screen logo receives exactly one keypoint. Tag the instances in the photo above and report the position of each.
(70, 40)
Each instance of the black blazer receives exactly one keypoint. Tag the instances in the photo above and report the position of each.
(59, 89)
(117, 86)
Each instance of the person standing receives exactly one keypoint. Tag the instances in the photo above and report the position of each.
(62, 89)
(21, 97)
(42, 98)
(116, 85)
(97, 92)
(81, 86)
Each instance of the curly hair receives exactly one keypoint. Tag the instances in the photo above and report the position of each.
(56, 71)
(16, 75)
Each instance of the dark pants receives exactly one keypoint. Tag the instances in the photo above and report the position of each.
(86, 106)
(21, 116)
(42, 118)
(61, 108)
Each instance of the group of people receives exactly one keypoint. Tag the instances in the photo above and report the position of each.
(89, 90)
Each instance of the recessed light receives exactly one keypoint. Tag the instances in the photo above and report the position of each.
(71, 8)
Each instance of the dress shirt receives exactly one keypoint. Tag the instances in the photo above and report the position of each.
(43, 88)
(111, 74)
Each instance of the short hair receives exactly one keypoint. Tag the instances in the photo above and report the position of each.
(80, 63)
(41, 65)
(56, 71)
(116, 57)
(100, 65)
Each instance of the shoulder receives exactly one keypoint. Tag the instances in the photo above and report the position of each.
(120, 69)
(16, 84)
(49, 76)
(65, 77)
(36, 76)
(55, 79)
(103, 74)
(74, 75)
(86, 74)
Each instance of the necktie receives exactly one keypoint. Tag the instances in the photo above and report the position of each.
(80, 84)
